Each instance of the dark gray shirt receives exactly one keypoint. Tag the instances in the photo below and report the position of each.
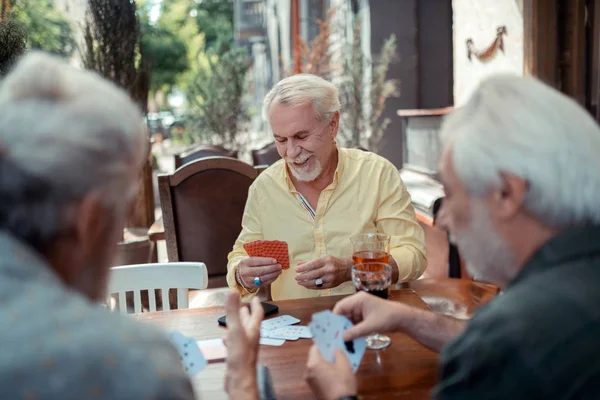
(55, 344)
(541, 338)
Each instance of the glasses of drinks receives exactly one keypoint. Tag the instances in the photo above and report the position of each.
(370, 247)
(374, 278)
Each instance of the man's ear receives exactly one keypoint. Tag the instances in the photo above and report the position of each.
(508, 199)
(334, 124)
(92, 222)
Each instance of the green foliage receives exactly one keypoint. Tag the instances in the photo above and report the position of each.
(215, 20)
(167, 56)
(215, 98)
(13, 40)
(47, 28)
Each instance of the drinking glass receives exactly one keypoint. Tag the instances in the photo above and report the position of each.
(374, 278)
(370, 247)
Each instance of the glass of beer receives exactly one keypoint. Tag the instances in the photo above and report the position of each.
(374, 278)
(370, 247)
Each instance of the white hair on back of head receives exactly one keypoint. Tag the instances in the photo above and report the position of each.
(69, 131)
(523, 127)
(303, 88)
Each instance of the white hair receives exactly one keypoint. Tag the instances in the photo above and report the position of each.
(63, 133)
(523, 127)
(303, 88)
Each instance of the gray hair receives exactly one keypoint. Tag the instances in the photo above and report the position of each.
(522, 127)
(63, 133)
(301, 89)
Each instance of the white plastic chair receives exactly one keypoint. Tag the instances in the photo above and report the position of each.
(177, 275)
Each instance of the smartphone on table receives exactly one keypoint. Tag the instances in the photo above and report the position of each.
(268, 308)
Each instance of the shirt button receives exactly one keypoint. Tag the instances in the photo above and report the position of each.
(318, 225)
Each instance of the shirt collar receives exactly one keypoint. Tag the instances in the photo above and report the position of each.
(336, 176)
(571, 244)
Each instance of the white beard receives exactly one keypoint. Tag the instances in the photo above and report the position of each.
(488, 257)
(305, 174)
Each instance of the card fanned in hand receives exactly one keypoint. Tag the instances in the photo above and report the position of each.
(270, 248)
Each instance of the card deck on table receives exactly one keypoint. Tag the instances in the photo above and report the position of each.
(189, 353)
(287, 332)
(270, 248)
(328, 330)
(278, 322)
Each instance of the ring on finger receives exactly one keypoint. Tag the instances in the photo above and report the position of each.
(257, 281)
(319, 282)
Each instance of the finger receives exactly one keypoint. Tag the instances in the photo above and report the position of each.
(258, 261)
(268, 280)
(259, 271)
(349, 305)
(311, 275)
(258, 313)
(341, 360)
(359, 330)
(314, 357)
(309, 265)
(310, 284)
(232, 310)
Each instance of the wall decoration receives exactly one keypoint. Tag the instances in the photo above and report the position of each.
(488, 53)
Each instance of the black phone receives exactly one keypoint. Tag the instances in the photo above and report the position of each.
(267, 307)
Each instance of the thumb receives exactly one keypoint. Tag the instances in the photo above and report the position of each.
(359, 330)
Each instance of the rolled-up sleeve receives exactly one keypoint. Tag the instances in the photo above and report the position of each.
(251, 231)
(396, 217)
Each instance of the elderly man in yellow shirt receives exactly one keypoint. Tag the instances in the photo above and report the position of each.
(316, 197)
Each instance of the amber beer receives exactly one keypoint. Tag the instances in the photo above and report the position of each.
(370, 256)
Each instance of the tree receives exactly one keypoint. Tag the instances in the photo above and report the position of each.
(112, 48)
(165, 50)
(215, 20)
(215, 97)
(47, 28)
(13, 38)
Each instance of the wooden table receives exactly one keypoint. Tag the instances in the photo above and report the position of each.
(404, 370)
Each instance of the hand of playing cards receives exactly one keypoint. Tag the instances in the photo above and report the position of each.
(191, 358)
(328, 334)
(270, 248)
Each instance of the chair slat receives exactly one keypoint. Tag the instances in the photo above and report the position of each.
(122, 303)
(165, 299)
(182, 298)
(137, 301)
(152, 300)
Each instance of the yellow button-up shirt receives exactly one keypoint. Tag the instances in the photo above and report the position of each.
(366, 195)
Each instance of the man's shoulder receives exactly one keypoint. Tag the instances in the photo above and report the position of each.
(271, 173)
(85, 348)
(367, 161)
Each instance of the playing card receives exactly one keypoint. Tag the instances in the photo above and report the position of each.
(278, 322)
(323, 333)
(328, 330)
(270, 248)
(354, 349)
(272, 342)
(213, 350)
(190, 355)
(279, 333)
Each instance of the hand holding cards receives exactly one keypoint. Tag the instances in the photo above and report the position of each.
(328, 332)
